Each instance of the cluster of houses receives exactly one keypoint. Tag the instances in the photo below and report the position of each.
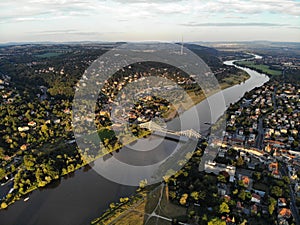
(137, 86)
(6, 91)
(268, 122)
(282, 62)
(258, 203)
(279, 109)
(265, 131)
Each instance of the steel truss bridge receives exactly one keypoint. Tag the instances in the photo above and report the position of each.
(152, 126)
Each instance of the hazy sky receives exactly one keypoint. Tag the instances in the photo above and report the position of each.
(140, 20)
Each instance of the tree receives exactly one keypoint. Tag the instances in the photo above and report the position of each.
(240, 161)
(2, 173)
(224, 208)
(221, 178)
(3, 205)
(295, 144)
(29, 162)
(166, 179)
(172, 194)
(216, 221)
(183, 199)
(272, 205)
(195, 195)
(256, 176)
(235, 192)
(44, 129)
(143, 183)
(242, 195)
(286, 179)
(112, 205)
(276, 191)
(2, 153)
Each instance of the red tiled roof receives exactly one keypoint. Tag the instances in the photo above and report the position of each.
(285, 212)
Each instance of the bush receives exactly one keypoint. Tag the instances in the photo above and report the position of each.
(3, 205)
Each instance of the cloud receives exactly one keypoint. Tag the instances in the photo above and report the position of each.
(54, 31)
(287, 7)
(18, 11)
(77, 33)
(147, 1)
(28, 10)
(250, 24)
(71, 32)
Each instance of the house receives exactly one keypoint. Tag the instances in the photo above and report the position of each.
(32, 124)
(238, 139)
(57, 121)
(245, 180)
(284, 213)
(213, 167)
(273, 166)
(281, 202)
(254, 209)
(239, 205)
(251, 138)
(251, 166)
(255, 198)
(259, 192)
(21, 129)
(222, 189)
(67, 111)
(276, 174)
(23, 147)
(282, 221)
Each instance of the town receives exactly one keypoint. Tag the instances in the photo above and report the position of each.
(253, 179)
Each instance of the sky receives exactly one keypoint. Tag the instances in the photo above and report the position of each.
(156, 20)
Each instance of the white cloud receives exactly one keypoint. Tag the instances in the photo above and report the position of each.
(143, 17)
(19, 10)
(249, 24)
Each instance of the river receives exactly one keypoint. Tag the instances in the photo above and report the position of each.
(79, 198)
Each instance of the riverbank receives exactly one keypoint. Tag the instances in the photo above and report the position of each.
(142, 207)
(85, 194)
(227, 82)
(86, 160)
(129, 205)
(185, 105)
(133, 212)
(260, 68)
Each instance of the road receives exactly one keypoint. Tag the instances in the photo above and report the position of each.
(274, 98)
(293, 205)
(260, 135)
(4, 188)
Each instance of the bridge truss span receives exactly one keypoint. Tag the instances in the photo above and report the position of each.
(152, 126)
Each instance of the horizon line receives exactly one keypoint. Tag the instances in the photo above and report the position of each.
(145, 41)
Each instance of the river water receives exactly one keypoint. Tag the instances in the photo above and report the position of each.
(84, 195)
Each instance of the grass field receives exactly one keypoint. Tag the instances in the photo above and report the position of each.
(49, 54)
(138, 212)
(260, 67)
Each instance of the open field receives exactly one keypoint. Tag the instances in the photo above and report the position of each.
(259, 67)
(49, 54)
(139, 212)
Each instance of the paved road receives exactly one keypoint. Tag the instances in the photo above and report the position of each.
(293, 206)
(4, 189)
(260, 135)
(274, 98)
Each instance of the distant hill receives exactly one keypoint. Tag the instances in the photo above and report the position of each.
(209, 55)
